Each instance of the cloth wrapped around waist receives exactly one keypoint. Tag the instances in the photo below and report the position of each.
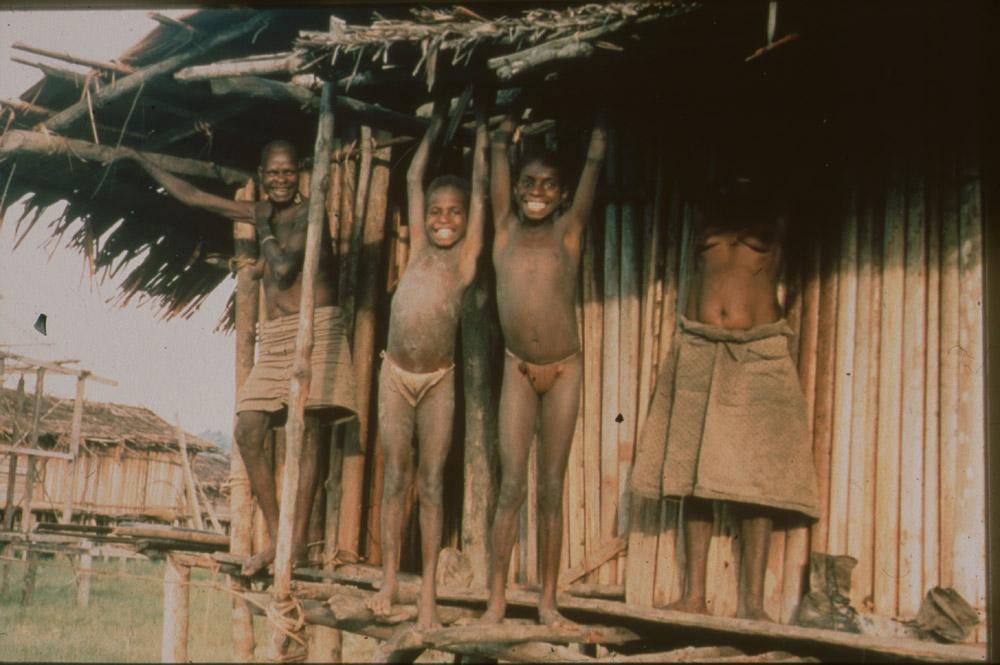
(332, 382)
(728, 421)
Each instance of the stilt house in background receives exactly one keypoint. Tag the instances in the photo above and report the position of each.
(128, 468)
(865, 120)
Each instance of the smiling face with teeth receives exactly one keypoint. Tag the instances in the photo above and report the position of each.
(446, 216)
(279, 173)
(539, 192)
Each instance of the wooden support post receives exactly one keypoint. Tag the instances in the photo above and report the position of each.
(29, 480)
(302, 372)
(74, 448)
(479, 335)
(240, 501)
(370, 289)
(18, 141)
(611, 385)
(131, 84)
(189, 488)
(9, 507)
(176, 599)
(83, 576)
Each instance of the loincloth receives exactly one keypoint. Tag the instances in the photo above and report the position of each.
(332, 382)
(411, 385)
(728, 422)
(541, 377)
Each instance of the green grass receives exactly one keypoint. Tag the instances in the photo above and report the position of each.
(124, 620)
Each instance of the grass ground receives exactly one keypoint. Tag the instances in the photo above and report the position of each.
(124, 621)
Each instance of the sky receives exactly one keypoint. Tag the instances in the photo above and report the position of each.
(179, 368)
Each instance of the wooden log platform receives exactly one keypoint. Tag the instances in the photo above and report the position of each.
(649, 623)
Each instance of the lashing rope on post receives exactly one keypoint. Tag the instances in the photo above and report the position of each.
(289, 618)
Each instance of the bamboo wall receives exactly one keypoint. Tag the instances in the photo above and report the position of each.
(111, 482)
(888, 342)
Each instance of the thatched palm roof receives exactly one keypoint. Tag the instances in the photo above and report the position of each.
(104, 423)
(175, 255)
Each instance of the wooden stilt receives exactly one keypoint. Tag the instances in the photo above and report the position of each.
(83, 577)
(302, 372)
(9, 506)
(74, 444)
(481, 436)
(192, 494)
(369, 292)
(176, 599)
(240, 501)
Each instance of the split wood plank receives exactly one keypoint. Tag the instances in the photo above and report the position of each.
(593, 560)
(887, 481)
(950, 290)
(593, 344)
(843, 370)
(932, 395)
(970, 495)
(610, 365)
(911, 463)
(864, 415)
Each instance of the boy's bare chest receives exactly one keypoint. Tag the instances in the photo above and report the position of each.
(529, 258)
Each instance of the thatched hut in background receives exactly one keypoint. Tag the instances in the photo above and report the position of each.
(864, 119)
(129, 467)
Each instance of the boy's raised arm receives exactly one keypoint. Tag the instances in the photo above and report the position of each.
(500, 187)
(583, 200)
(415, 178)
(477, 199)
(188, 194)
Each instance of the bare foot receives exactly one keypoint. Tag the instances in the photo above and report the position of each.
(550, 616)
(381, 603)
(493, 614)
(757, 614)
(690, 605)
(258, 562)
(427, 620)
